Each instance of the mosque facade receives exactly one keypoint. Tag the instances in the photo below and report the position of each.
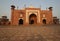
(31, 15)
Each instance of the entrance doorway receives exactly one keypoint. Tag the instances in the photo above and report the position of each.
(44, 21)
(32, 19)
(21, 22)
(32, 22)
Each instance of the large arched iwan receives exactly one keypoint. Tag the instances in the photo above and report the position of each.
(32, 19)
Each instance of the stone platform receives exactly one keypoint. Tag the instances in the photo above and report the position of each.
(30, 33)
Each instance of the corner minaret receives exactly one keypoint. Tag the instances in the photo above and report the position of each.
(12, 13)
(50, 11)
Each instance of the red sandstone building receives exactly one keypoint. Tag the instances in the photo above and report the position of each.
(31, 15)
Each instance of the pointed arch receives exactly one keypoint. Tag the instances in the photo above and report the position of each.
(32, 19)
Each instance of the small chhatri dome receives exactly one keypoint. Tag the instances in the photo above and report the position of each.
(50, 8)
(12, 6)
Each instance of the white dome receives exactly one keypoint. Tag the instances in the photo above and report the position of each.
(31, 6)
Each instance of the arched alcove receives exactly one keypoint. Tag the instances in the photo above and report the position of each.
(20, 21)
(44, 21)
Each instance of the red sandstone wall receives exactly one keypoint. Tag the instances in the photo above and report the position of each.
(15, 15)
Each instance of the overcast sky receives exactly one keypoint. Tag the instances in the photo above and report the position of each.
(5, 5)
